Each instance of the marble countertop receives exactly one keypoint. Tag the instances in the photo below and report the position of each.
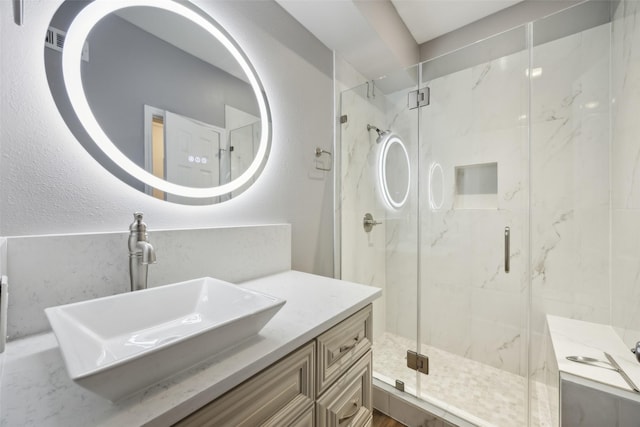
(36, 390)
(578, 338)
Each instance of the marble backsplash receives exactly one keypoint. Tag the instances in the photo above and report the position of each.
(51, 270)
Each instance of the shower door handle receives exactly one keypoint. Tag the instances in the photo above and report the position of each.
(507, 249)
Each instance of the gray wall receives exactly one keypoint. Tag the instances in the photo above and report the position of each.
(504, 20)
(130, 68)
(49, 184)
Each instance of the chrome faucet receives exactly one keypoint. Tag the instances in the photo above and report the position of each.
(141, 253)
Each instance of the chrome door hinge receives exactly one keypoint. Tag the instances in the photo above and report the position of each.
(418, 362)
(419, 98)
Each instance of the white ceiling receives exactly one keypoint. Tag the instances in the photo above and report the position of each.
(428, 19)
(381, 37)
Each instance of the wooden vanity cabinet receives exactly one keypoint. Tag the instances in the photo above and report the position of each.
(341, 346)
(326, 382)
(344, 366)
(278, 396)
(348, 401)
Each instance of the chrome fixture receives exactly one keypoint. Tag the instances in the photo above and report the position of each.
(419, 98)
(368, 222)
(592, 362)
(418, 362)
(636, 351)
(507, 249)
(18, 11)
(622, 373)
(141, 253)
(319, 153)
(381, 133)
(611, 364)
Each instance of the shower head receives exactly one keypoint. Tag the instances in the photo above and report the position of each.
(381, 133)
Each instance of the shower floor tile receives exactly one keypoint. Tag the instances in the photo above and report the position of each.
(482, 394)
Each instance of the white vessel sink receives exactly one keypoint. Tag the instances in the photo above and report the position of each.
(117, 345)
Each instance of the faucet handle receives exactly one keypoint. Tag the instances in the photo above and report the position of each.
(138, 225)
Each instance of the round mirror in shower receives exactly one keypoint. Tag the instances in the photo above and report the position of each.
(394, 171)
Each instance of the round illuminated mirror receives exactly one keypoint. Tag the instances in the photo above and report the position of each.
(394, 171)
(161, 96)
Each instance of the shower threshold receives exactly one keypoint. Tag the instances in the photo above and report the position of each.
(459, 390)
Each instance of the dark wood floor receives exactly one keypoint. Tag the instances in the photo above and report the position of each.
(381, 420)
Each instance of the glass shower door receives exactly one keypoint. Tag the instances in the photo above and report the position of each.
(474, 231)
(378, 213)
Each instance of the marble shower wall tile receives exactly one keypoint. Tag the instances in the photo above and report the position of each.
(570, 191)
(625, 281)
(46, 271)
(363, 254)
(570, 180)
(470, 306)
(401, 228)
(626, 92)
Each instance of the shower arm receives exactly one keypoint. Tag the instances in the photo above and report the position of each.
(381, 133)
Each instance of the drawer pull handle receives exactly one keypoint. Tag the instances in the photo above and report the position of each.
(345, 348)
(351, 414)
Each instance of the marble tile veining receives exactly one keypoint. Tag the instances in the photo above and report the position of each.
(625, 153)
(46, 271)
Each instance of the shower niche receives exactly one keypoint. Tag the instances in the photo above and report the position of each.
(476, 186)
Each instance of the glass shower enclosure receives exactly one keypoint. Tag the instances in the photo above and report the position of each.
(463, 196)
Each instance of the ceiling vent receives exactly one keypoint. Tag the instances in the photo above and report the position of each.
(55, 40)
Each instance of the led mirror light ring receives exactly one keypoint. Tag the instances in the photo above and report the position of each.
(436, 168)
(387, 143)
(71, 67)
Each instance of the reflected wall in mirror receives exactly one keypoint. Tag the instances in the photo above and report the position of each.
(161, 96)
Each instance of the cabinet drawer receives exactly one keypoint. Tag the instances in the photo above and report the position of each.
(341, 346)
(306, 419)
(277, 396)
(348, 401)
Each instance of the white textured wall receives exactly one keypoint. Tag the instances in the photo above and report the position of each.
(50, 184)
